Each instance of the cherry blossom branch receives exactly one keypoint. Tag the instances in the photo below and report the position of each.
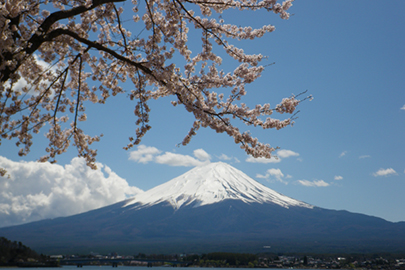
(120, 27)
(92, 44)
(207, 30)
(32, 36)
(39, 37)
(60, 95)
(78, 94)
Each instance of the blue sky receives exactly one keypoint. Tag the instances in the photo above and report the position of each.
(345, 151)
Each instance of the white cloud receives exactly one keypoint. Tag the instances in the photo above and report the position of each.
(35, 191)
(274, 174)
(385, 172)
(21, 83)
(173, 159)
(224, 157)
(263, 160)
(144, 154)
(343, 154)
(364, 156)
(274, 159)
(338, 177)
(287, 153)
(403, 107)
(228, 158)
(258, 175)
(201, 154)
(315, 183)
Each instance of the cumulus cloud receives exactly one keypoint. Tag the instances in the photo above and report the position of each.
(315, 183)
(385, 172)
(201, 154)
(228, 158)
(274, 159)
(33, 191)
(287, 153)
(224, 157)
(173, 159)
(338, 177)
(145, 154)
(263, 160)
(403, 107)
(274, 174)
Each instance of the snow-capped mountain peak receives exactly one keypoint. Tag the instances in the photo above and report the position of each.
(210, 184)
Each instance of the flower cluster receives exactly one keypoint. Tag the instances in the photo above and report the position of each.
(57, 55)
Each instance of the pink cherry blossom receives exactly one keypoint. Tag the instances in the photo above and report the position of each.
(68, 53)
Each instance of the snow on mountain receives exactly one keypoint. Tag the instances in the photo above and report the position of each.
(210, 184)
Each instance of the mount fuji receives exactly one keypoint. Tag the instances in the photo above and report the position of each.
(211, 184)
(211, 208)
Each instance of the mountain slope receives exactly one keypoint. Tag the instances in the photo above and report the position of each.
(211, 208)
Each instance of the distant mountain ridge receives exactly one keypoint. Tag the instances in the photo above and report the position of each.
(211, 208)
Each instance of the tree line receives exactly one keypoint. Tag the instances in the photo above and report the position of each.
(214, 259)
(13, 253)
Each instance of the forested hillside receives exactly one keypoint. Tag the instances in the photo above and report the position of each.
(15, 253)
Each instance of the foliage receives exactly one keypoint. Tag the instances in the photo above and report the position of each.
(217, 259)
(11, 252)
(51, 51)
(237, 259)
